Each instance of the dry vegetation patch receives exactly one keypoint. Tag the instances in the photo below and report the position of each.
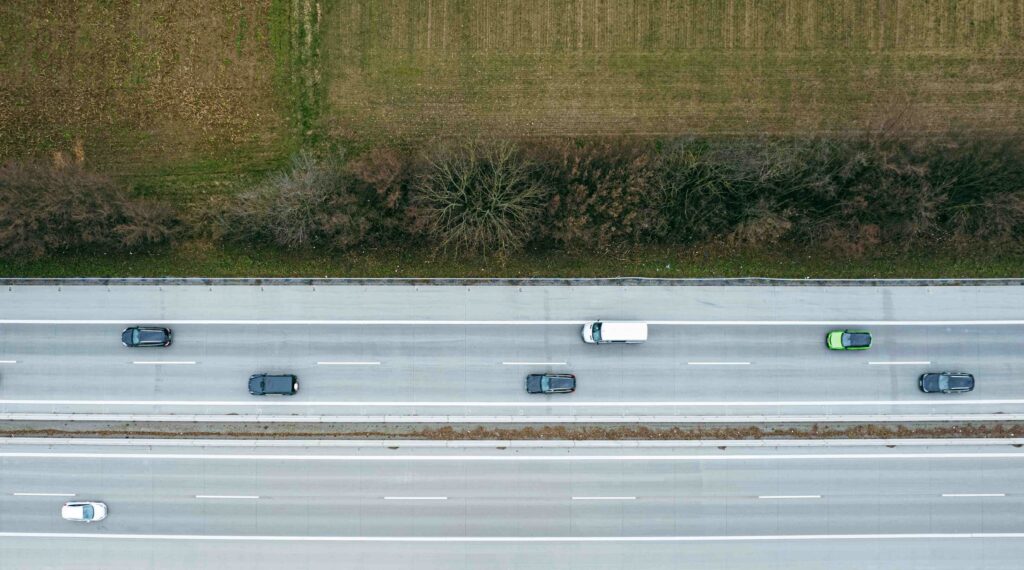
(145, 87)
(416, 68)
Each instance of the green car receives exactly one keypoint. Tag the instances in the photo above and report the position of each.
(848, 340)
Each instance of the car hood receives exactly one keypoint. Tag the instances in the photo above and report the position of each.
(533, 383)
(930, 382)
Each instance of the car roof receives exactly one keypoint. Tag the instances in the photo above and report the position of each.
(623, 330)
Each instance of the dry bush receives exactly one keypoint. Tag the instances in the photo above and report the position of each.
(762, 225)
(46, 210)
(701, 193)
(385, 170)
(604, 194)
(477, 198)
(314, 204)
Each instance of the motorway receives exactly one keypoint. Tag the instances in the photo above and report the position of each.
(939, 504)
(451, 353)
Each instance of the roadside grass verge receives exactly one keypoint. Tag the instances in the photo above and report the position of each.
(198, 259)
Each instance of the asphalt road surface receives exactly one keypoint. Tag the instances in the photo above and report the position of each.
(461, 353)
(537, 505)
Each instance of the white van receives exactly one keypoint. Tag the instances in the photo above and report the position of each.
(598, 332)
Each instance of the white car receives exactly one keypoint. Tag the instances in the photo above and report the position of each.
(83, 511)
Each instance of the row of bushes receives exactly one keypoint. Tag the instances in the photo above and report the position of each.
(846, 196)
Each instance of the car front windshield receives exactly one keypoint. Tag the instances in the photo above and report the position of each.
(87, 512)
(597, 331)
(136, 336)
(944, 382)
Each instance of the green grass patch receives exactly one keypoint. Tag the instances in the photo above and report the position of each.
(202, 260)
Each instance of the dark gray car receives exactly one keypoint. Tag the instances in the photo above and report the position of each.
(946, 382)
(273, 384)
(550, 383)
(145, 336)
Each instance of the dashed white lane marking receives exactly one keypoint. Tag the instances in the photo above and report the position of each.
(352, 363)
(667, 538)
(789, 496)
(604, 498)
(227, 496)
(718, 363)
(974, 494)
(172, 362)
(8, 361)
(43, 494)
(900, 363)
(415, 498)
(534, 363)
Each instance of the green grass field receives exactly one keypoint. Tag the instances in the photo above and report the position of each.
(181, 95)
(411, 69)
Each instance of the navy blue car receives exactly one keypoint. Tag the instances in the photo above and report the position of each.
(946, 382)
(145, 336)
(550, 383)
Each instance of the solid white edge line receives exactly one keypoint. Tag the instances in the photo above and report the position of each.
(340, 363)
(511, 419)
(604, 498)
(900, 363)
(521, 443)
(789, 496)
(534, 363)
(974, 494)
(500, 458)
(43, 494)
(717, 363)
(454, 322)
(390, 498)
(567, 404)
(227, 496)
(163, 362)
(691, 538)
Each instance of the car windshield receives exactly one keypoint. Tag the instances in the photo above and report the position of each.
(135, 336)
(87, 512)
(943, 381)
(597, 331)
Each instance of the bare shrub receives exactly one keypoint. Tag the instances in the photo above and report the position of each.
(311, 205)
(604, 194)
(385, 170)
(701, 196)
(46, 210)
(477, 198)
(762, 225)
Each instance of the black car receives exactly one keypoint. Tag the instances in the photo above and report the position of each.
(273, 384)
(145, 336)
(550, 383)
(946, 382)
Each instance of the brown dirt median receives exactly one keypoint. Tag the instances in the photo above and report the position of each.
(125, 430)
